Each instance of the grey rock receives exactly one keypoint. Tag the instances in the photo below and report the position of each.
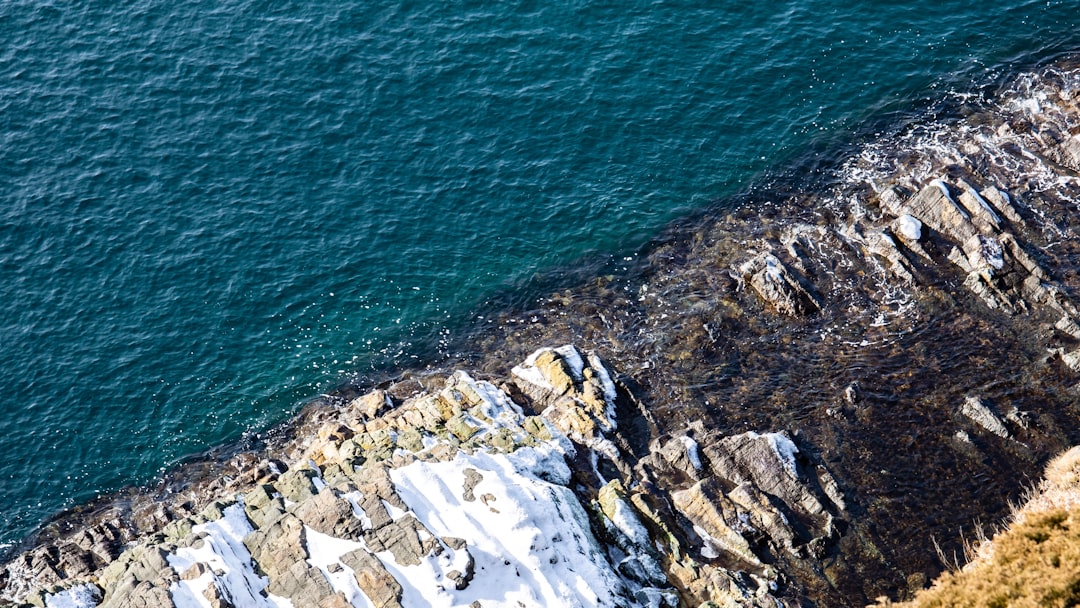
(472, 478)
(274, 549)
(462, 579)
(767, 464)
(974, 409)
(329, 514)
(709, 509)
(457, 544)
(141, 594)
(262, 505)
(401, 538)
(301, 583)
(776, 284)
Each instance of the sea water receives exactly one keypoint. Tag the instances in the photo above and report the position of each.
(212, 211)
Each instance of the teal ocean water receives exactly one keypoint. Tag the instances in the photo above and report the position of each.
(210, 211)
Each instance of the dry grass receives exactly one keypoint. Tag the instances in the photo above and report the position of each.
(1033, 563)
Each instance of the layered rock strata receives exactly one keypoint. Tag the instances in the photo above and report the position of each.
(461, 497)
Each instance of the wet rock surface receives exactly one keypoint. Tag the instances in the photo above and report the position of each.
(785, 403)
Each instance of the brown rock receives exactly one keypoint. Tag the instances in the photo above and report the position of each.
(195, 571)
(373, 579)
(370, 405)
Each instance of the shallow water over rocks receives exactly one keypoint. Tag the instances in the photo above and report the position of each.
(881, 340)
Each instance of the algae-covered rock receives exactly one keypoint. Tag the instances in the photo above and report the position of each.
(296, 485)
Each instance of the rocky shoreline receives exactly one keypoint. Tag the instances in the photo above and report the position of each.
(791, 403)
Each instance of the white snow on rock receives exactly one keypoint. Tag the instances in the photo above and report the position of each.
(909, 227)
(354, 498)
(610, 393)
(325, 551)
(709, 544)
(546, 461)
(773, 269)
(692, 451)
(982, 203)
(991, 252)
(568, 353)
(222, 551)
(785, 450)
(78, 596)
(497, 406)
(530, 538)
(628, 523)
(528, 371)
(573, 359)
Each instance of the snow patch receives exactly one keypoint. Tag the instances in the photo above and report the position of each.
(610, 392)
(528, 371)
(546, 461)
(228, 562)
(532, 544)
(785, 450)
(573, 359)
(910, 227)
(692, 451)
(354, 498)
(628, 523)
(945, 190)
(991, 252)
(497, 405)
(394, 512)
(325, 551)
(78, 596)
(982, 202)
(708, 549)
(773, 269)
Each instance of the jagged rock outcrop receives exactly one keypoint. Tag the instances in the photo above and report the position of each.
(457, 496)
(778, 286)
